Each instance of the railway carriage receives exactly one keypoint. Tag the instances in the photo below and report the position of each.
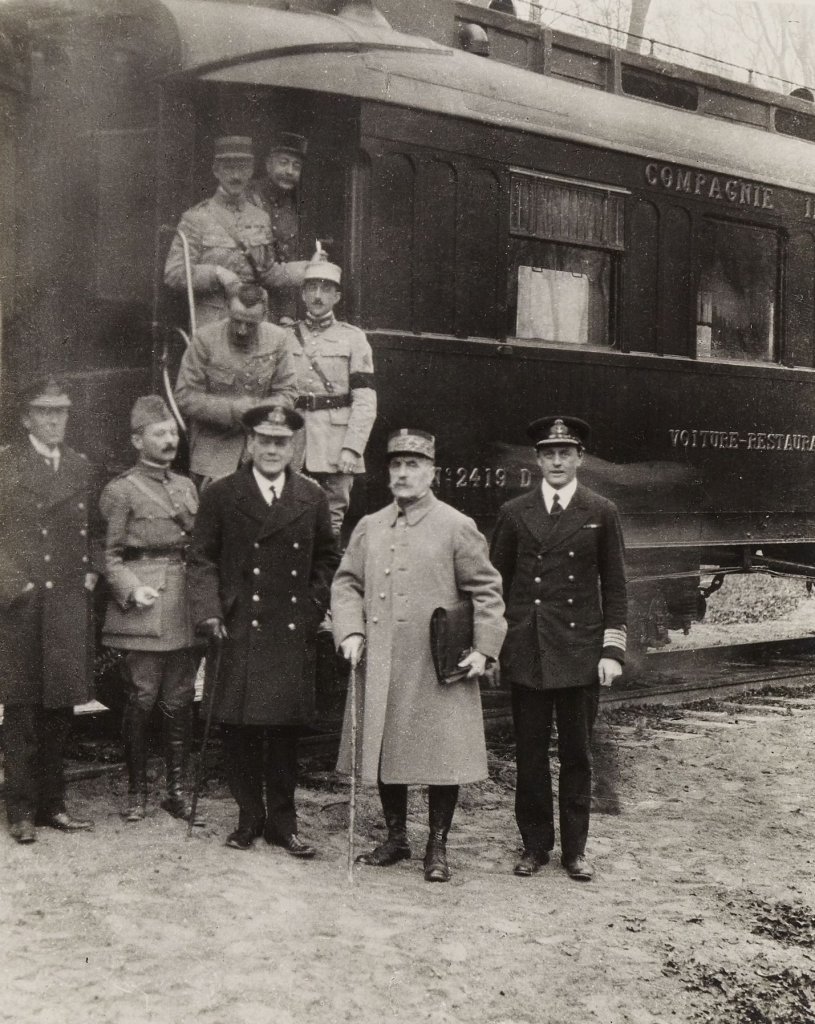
(528, 222)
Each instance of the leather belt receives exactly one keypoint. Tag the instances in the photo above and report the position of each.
(170, 554)
(313, 403)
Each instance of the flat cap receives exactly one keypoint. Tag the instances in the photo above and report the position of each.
(46, 393)
(148, 409)
(272, 420)
(551, 430)
(288, 142)
(322, 270)
(233, 146)
(408, 441)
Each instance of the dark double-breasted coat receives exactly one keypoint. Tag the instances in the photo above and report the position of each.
(564, 587)
(266, 571)
(46, 649)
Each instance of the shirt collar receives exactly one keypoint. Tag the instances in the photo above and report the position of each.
(315, 323)
(52, 454)
(224, 199)
(153, 470)
(269, 487)
(565, 494)
(414, 512)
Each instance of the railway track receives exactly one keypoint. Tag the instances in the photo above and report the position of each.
(664, 678)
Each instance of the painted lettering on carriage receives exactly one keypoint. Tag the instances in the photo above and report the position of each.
(757, 441)
(674, 178)
(482, 477)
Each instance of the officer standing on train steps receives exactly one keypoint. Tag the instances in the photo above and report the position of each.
(336, 392)
(230, 238)
(277, 195)
(45, 609)
(150, 513)
(559, 550)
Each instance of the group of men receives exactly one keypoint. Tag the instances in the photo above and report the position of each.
(244, 556)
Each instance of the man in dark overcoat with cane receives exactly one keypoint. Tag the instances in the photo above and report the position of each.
(46, 584)
(559, 550)
(260, 568)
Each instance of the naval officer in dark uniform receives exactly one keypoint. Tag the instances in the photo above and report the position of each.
(150, 513)
(260, 568)
(559, 550)
(46, 580)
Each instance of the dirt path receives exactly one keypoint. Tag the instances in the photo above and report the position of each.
(137, 924)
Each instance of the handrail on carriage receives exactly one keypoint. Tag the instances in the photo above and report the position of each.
(164, 357)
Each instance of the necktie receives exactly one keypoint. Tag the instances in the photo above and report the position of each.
(556, 508)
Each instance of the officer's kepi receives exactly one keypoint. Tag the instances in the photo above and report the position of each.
(46, 394)
(558, 430)
(272, 420)
(409, 441)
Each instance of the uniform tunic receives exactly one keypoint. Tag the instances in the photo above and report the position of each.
(150, 513)
(214, 373)
(565, 590)
(397, 569)
(266, 572)
(214, 228)
(46, 640)
(345, 358)
(281, 205)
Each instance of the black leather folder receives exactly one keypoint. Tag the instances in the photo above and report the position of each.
(451, 640)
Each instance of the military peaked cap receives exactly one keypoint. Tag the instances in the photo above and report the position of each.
(233, 146)
(412, 442)
(322, 270)
(272, 420)
(46, 393)
(552, 430)
(288, 142)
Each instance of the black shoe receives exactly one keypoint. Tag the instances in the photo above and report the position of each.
(175, 805)
(436, 868)
(23, 831)
(241, 839)
(293, 845)
(387, 853)
(578, 867)
(530, 862)
(63, 821)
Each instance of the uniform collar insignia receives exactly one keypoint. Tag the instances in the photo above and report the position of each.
(320, 323)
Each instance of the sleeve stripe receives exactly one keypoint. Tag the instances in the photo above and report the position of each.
(615, 638)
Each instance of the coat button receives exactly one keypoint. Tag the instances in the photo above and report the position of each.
(537, 600)
(84, 558)
(255, 597)
(294, 600)
(375, 619)
(256, 571)
(570, 601)
(537, 579)
(387, 572)
(81, 506)
(44, 532)
(296, 546)
(294, 572)
(82, 533)
(46, 558)
(255, 623)
(571, 579)
(49, 585)
(292, 626)
(256, 545)
(382, 595)
(571, 625)
(571, 554)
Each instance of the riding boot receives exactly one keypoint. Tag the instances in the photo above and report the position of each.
(442, 801)
(395, 847)
(135, 737)
(176, 733)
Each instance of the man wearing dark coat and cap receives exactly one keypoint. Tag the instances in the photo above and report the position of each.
(260, 567)
(46, 650)
(559, 550)
(150, 512)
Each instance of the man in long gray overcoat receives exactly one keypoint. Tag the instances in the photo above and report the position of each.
(259, 570)
(46, 649)
(402, 562)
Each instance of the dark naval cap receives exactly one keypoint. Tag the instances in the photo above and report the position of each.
(272, 420)
(148, 409)
(46, 393)
(412, 442)
(552, 430)
(288, 142)
(233, 146)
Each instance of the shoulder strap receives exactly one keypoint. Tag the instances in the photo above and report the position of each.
(140, 485)
(298, 330)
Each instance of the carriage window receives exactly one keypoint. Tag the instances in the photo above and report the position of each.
(738, 292)
(563, 260)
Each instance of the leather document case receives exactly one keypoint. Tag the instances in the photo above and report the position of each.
(451, 639)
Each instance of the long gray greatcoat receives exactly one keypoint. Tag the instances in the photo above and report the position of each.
(396, 571)
(266, 571)
(46, 642)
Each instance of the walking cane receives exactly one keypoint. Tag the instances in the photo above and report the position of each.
(352, 806)
(212, 673)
